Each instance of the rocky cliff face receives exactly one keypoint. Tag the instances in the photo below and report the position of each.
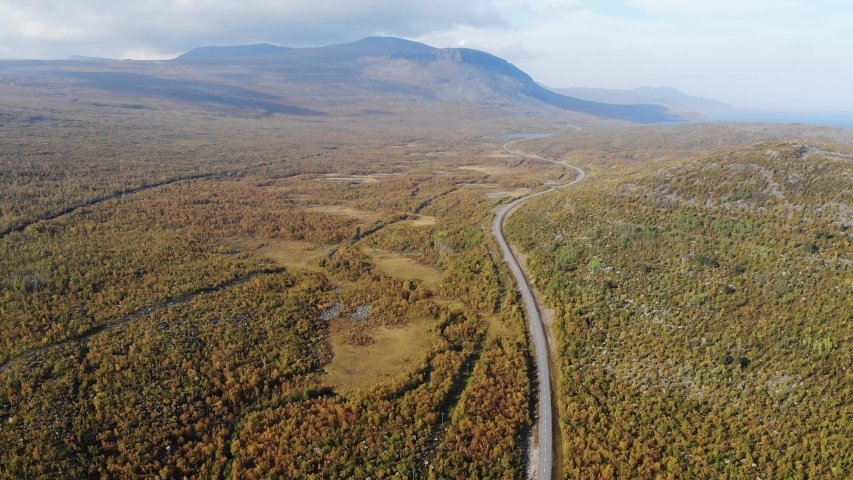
(511, 82)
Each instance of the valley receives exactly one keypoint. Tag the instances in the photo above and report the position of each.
(310, 263)
(175, 329)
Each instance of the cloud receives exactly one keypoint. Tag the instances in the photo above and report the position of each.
(761, 53)
(57, 28)
(513, 52)
(541, 6)
(713, 7)
(787, 53)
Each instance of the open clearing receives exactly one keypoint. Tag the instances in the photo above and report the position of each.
(517, 192)
(300, 197)
(285, 253)
(488, 169)
(447, 153)
(424, 221)
(479, 186)
(357, 179)
(362, 215)
(496, 191)
(400, 266)
(394, 351)
(349, 179)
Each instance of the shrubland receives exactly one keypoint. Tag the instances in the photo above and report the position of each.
(187, 294)
(703, 314)
(172, 307)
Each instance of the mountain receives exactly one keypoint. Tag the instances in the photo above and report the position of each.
(393, 66)
(266, 80)
(216, 53)
(373, 46)
(83, 58)
(664, 96)
(523, 85)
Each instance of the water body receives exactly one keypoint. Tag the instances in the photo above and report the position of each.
(843, 120)
(510, 136)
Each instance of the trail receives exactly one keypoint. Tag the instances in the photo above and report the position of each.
(537, 328)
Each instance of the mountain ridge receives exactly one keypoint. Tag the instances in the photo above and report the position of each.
(265, 79)
(631, 112)
(371, 62)
(233, 51)
(664, 96)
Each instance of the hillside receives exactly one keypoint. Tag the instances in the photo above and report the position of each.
(187, 295)
(196, 286)
(392, 66)
(268, 80)
(218, 53)
(702, 309)
(664, 96)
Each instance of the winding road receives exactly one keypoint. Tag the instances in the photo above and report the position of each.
(537, 328)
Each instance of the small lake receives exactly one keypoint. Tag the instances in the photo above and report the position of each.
(510, 136)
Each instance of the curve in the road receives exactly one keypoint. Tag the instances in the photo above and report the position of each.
(537, 328)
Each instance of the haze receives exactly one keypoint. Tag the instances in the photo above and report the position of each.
(760, 54)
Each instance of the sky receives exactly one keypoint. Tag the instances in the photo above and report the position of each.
(783, 54)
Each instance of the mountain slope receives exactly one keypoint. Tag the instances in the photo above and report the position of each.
(84, 58)
(216, 53)
(527, 87)
(266, 79)
(385, 65)
(665, 96)
(388, 66)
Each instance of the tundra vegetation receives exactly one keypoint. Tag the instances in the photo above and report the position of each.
(197, 294)
(211, 300)
(704, 310)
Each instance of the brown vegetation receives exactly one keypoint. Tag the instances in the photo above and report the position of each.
(191, 329)
(702, 315)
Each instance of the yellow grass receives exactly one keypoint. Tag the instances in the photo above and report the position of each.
(518, 192)
(285, 253)
(372, 178)
(358, 179)
(362, 215)
(395, 351)
(435, 154)
(498, 328)
(400, 266)
(424, 221)
(487, 169)
(299, 197)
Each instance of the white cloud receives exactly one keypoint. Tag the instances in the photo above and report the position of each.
(745, 52)
(712, 7)
(780, 57)
(146, 54)
(542, 6)
(53, 28)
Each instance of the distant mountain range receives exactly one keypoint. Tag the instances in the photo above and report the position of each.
(83, 58)
(215, 53)
(308, 81)
(664, 96)
(393, 66)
